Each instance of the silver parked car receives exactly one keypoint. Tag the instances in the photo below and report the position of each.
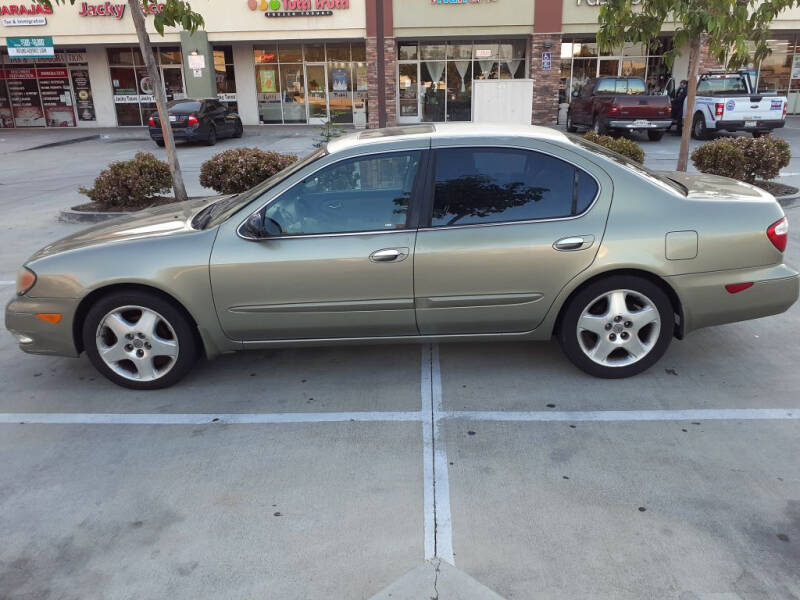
(422, 233)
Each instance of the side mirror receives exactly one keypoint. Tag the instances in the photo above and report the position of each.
(258, 227)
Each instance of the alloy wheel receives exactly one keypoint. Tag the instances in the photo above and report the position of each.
(137, 343)
(618, 328)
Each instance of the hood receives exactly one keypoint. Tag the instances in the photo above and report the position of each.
(169, 219)
(713, 187)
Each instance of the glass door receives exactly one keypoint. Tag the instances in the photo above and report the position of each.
(173, 83)
(432, 74)
(317, 93)
(408, 95)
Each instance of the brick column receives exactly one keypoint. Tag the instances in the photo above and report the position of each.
(389, 87)
(707, 61)
(545, 81)
(381, 64)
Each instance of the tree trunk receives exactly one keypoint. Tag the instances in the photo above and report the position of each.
(691, 93)
(160, 98)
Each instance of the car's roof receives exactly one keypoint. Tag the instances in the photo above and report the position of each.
(443, 131)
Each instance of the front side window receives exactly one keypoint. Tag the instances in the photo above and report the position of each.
(491, 185)
(361, 194)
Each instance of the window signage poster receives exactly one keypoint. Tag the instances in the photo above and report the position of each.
(546, 61)
(339, 79)
(361, 78)
(83, 92)
(267, 81)
(30, 47)
(25, 100)
(796, 66)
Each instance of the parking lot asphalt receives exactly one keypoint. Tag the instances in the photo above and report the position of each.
(364, 472)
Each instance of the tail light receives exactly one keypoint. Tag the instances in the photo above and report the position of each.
(785, 104)
(192, 120)
(613, 109)
(718, 108)
(735, 288)
(151, 121)
(778, 234)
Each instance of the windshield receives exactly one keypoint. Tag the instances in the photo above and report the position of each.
(218, 212)
(614, 87)
(722, 85)
(631, 165)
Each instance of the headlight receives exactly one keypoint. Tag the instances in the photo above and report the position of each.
(25, 280)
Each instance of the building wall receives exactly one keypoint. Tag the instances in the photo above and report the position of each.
(423, 18)
(244, 67)
(102, 92)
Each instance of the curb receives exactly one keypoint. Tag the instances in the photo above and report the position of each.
(76, 140)
(82, 216)
(789, 201)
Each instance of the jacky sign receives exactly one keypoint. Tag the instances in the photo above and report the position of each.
(102, 10)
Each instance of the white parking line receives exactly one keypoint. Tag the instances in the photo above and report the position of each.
(203, 418)
(6, 282)
(436, 495)
(732, 414)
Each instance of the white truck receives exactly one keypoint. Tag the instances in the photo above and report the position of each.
(727, 101)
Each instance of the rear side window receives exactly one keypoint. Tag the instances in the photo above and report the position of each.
(185, 106)
(493, 185)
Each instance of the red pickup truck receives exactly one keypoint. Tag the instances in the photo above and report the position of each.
(614, 104)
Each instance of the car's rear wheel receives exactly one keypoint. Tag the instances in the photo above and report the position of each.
(655, 135)
(238, 129)
(699, 129)
(617, 327)
(139, 340)
(570, 125)
(160, 143)
(758, 134)
(211, 140)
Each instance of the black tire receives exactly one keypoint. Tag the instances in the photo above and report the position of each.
(571, 312)
(160, 143)
(699, 129)
(570, 126)
(655, 135)
(184, 332)
(238, 129)
(211, 140)
(599, 126)
(758, 134)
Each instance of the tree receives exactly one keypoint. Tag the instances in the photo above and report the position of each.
(174, 13)
(728, 25)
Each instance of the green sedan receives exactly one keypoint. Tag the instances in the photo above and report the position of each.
(425, 233)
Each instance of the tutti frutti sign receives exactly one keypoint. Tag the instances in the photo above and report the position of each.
(30, 47)
(298, 8)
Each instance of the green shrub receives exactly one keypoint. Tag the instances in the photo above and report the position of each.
(131, 184)
(235, 171)
(743, 158)
(623, 146)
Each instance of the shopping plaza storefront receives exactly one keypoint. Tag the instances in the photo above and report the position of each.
(375, 62)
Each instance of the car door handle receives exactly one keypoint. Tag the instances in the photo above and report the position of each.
(575, 242)
(389, 255)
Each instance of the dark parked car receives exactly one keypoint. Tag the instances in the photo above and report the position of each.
(614, 104)
(198, 121)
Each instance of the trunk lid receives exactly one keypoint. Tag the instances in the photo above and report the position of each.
(643, 107)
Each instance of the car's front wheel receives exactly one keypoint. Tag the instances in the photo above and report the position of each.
(139, 340)
(617, 327)
(570, 125)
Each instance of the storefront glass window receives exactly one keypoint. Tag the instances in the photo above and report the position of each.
(45, 92)
(438, 85)
(133, 88)
(407, 51)
(326, 86)
(225, 76)
(580, 62)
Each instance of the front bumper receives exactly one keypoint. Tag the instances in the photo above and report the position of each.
(706, 302)
(763, 125)
(640, 123)
(36, 336)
